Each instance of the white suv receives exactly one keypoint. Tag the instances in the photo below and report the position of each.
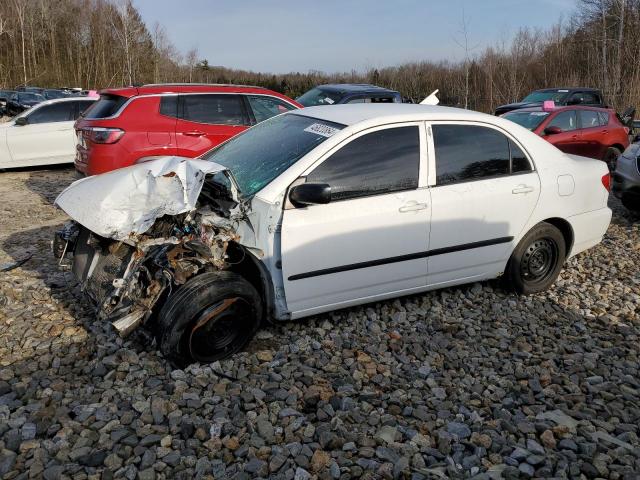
(42, 135)
(326, 208)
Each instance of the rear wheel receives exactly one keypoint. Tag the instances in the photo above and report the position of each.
(209, 318)
(611, 157)
(537, 260)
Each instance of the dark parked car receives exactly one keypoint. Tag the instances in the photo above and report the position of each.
(21, 101)
(334, 94)
(626, 178)
(53, 93)
(590, 97)
(4, 97)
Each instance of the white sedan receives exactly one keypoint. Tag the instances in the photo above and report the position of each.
(326, 208)
(42, 135)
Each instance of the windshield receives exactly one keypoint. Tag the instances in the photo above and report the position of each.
(317, 96)
(555, 95)
(263, 152)
(529, 120)
(30, 97)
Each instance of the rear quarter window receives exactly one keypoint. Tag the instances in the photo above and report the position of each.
(107, 106)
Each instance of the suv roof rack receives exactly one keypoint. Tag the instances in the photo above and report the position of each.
(187, 84)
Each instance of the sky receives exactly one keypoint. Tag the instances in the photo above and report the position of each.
(335, 36)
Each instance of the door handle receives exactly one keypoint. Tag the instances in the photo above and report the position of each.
(574, 137)
(412, 207)
(194, 133)
(522, 189)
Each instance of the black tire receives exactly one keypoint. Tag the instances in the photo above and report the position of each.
(611, 158)
(631, 203)
(210, 317)
(537, 260)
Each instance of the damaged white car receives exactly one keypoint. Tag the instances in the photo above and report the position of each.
(321, 209)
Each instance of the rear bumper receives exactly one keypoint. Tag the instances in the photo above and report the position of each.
(588, 229)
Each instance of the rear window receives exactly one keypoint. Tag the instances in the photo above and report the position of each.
(107, 106)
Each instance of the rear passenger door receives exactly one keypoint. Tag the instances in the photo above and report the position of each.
(483, 191)
(592, 134)
(206, 120)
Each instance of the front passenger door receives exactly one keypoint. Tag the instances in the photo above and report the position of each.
(370, 241)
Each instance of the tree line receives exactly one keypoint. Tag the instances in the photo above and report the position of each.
(105, 43)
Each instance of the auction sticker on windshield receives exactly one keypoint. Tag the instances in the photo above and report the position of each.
(321, 129)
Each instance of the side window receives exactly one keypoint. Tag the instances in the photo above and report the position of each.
(356, 100)
(382, 100)
(519, 161)
(213, 109)
(81, 106)
(264, 106)
(379, 162)
(604, 118)
(58, 112)
(566, 121)
(590, 98)
(589, 118)
(469, 152)
(169, 105)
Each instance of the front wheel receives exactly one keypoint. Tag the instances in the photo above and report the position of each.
(611, 158)
(537, 260)
(209, 318)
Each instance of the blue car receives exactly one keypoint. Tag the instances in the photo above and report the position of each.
(333, 94)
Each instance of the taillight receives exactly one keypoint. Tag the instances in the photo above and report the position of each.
(103, 134)
(606, 181)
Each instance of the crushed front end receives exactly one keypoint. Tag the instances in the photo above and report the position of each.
(125, 277)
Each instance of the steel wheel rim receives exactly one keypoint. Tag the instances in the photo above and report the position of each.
(219, 330)
(539, 260)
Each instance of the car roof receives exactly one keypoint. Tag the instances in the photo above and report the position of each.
(350, 114)
(159, 88)
(64, 100)
(570, 89)
(559, 109)
(355, 88)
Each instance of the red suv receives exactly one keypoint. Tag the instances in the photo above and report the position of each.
(127, 124)
(588, 131)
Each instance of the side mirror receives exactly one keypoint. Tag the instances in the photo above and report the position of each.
(552, 130)
(310, 194)
(21, 121)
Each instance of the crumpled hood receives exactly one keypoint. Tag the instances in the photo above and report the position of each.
(517, 105)
(127, 201)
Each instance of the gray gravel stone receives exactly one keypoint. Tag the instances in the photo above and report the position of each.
(465, 382)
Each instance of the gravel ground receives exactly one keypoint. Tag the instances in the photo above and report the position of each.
(463, 382)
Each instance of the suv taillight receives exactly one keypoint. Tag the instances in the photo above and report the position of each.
(606, 181)
(103, 134)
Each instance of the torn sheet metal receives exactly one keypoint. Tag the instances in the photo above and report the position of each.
(128, 201)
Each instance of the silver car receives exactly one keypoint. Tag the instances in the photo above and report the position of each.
(626, 178)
